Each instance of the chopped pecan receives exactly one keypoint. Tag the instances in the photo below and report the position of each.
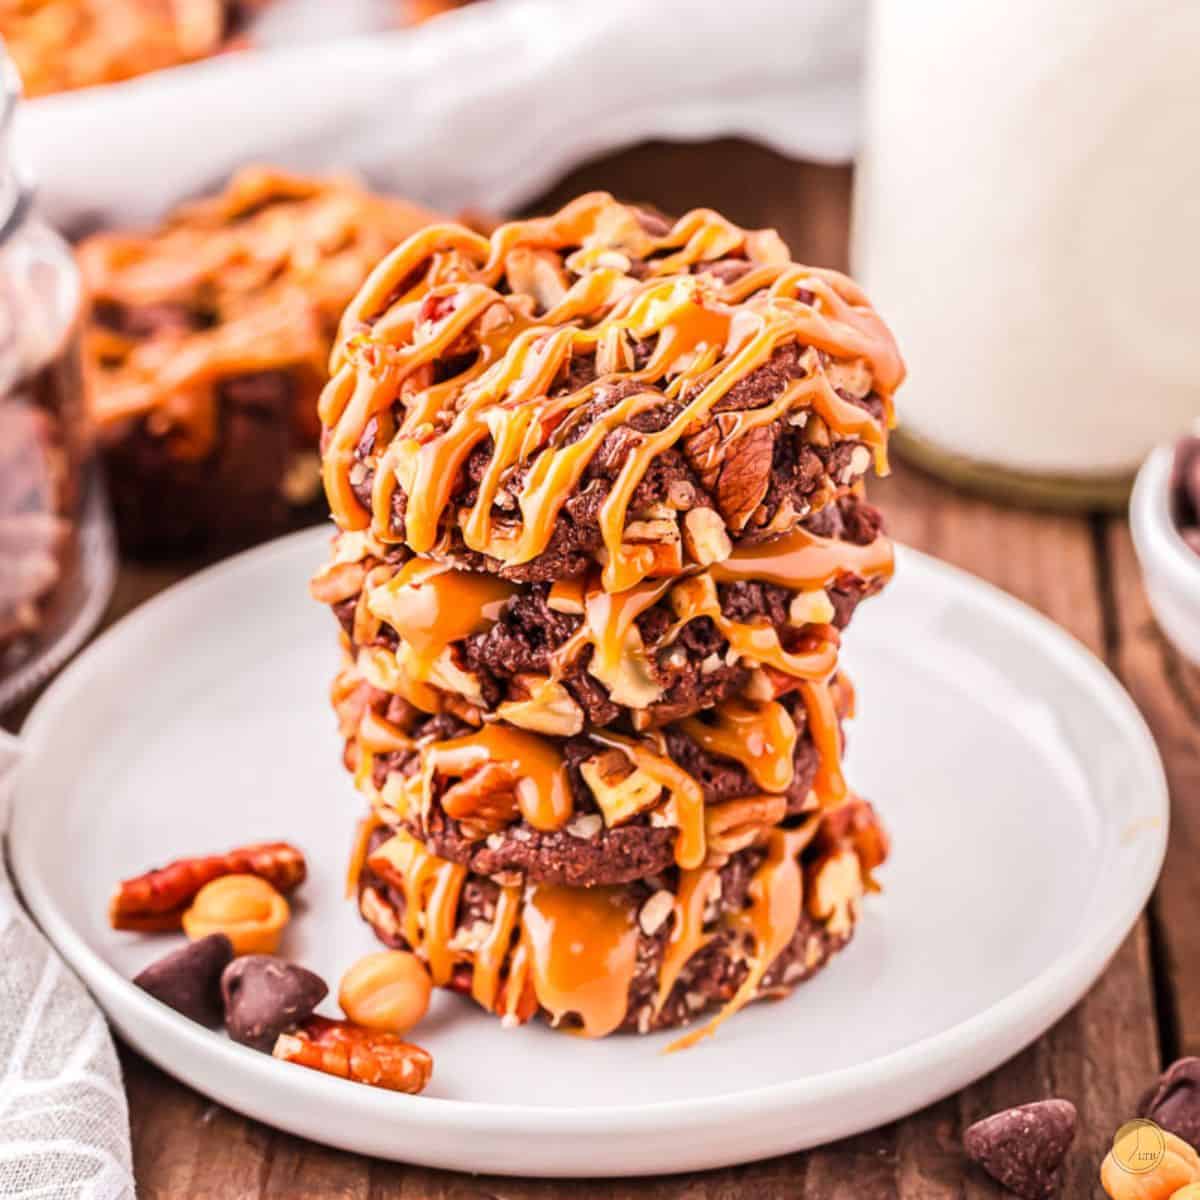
(733, 825)
(545, 706)
(361, 1055)
(745, 476)
(157, 900)
(620, 794)
(337, 581)
(855, 823)
(704, 451)
(837, 887)
(705, 538)
(486, 798)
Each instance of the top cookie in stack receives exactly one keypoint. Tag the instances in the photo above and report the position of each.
(598, 482)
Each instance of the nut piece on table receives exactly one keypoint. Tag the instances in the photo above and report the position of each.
(361, 1055)
(189, 979)
(620, 793)
(387, 990)
(1023, 1147)
(705, 537)
(1174, 1101)
(265, 996)
(1178, 1166)
(247, 909)
(156, 901)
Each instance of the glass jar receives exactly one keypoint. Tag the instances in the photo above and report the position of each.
(55, 555)
(1024, 214)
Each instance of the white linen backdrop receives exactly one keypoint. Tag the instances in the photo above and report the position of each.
(486, 106)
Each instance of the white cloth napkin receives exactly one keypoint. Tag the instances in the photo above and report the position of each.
(485, 106)
(64, 1127)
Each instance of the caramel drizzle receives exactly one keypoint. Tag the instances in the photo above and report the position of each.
(802, 561)
(490, 957)
(761, 736)
(799, 561)
(814, 658)
(685, 803)
(582, 950)
(358, 853)
(825, 730)
(695, 890)
(770, 921)
(431, 606)
(432, 888)
(536, 770)
(438, 291)
(576, 948)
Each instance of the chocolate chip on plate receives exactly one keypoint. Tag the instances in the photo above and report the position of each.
(1023, 1147)
(189, 979)
(266, 996)
(1174, 1101)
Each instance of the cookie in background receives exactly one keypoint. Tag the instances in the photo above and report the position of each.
(206, 348)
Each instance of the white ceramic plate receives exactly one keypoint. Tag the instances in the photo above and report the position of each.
(1024, 793)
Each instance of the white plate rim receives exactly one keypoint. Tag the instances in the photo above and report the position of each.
(1001, 1030)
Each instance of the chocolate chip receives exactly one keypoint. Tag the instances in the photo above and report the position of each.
(265, 996)
(189, 980)
(1023, 1147)
(1174, 1101)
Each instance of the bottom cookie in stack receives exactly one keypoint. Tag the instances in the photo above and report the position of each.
(759, 917)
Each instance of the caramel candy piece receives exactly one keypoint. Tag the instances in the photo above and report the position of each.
(245, 908)
(388, 990)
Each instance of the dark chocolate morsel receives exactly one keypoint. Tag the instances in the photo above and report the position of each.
(1023, 1147)
(266, 996)
(189, 979)
(1174, 1101)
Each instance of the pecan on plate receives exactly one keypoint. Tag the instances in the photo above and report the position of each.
(156, 901)
(353, 1052)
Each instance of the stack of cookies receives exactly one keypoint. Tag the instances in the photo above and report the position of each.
(598, 486)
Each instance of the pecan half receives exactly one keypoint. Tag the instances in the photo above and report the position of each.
(350, 1051)
(157, 900)
(745, 476)
(484, 800)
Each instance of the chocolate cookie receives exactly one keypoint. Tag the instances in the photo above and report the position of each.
(590, 388)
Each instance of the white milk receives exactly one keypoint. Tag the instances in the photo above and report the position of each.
(1027, 217)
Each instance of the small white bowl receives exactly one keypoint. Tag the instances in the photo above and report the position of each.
(1170, 568)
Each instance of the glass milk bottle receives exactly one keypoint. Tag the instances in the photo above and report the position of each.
(1027, 213)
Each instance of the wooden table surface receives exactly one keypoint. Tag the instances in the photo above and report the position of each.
(1078, 570)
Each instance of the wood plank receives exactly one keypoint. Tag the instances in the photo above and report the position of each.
(187, 1145)
(1167, 690)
